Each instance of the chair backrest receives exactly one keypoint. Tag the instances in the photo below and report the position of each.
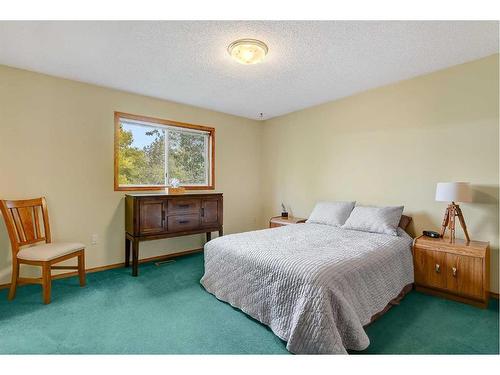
(25, 220)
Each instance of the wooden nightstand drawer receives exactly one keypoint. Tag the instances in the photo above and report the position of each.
(464, 275)
(430, 267)
(458, 270)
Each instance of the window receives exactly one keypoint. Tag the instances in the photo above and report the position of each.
(150, 152)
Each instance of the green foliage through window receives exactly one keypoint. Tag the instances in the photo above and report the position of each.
(152, 155)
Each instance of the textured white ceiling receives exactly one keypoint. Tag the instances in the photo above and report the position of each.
(309, 62)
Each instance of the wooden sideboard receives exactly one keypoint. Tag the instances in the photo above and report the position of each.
(157, 216)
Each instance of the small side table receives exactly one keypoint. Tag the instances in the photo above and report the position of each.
(279, 221)
(458, 270)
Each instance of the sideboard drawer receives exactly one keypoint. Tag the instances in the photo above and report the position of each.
(180, 223)
(183, 206)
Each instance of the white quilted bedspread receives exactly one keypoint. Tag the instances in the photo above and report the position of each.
(314, 285)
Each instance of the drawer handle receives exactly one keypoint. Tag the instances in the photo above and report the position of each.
(183, 221)
(454, 271)
(183, 205)
(438, 268)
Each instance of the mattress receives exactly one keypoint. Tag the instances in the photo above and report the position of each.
(314, 285)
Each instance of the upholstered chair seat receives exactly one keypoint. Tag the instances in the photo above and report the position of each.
(49, 251)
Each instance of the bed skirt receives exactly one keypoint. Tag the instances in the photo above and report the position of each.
(394, 302)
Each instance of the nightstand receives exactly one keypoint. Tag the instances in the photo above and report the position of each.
(458, 270)
(279, 221)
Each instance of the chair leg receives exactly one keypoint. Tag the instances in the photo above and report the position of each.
(81, 268)
(46, 282)
(15, 276)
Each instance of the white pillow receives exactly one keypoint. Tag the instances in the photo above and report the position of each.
(375, 219)
(331, 213)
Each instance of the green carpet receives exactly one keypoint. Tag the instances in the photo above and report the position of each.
(165, 310)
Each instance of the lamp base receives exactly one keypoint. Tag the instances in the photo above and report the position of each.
(453, 210)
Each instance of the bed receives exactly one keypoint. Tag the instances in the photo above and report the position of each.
(314, 285)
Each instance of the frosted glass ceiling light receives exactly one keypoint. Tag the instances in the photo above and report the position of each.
(248, 51)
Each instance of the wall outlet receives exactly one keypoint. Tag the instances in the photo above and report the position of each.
(94, 239)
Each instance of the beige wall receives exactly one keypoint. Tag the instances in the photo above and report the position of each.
(56, 139)
(390, 146)
(386, 146)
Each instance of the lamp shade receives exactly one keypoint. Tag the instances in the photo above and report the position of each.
(453, 192)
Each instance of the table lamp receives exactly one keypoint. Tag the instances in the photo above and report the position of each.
(453, 192)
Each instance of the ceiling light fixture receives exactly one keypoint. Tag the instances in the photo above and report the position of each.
(248, 51)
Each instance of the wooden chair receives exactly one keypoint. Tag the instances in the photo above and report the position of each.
(23, 219)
